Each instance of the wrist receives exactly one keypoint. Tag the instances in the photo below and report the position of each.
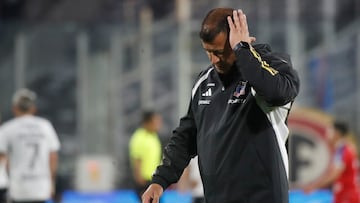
(241, 45)
(160, 181)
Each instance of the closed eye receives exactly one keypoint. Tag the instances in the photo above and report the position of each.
(216, 52)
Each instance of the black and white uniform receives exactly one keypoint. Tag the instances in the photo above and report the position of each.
(28, 141)
(236, 124)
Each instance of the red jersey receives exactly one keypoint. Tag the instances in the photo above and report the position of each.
(346, 186)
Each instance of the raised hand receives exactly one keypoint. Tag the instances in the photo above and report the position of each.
(239, 30)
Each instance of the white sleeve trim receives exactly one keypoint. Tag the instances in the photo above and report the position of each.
(198, 83)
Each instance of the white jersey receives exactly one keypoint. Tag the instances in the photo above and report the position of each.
(4, 180)
(28, 141)
(198, 190)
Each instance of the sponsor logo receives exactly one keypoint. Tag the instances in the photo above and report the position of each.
(208, 93)
(204, 102)
(236, 101)
(240, 89)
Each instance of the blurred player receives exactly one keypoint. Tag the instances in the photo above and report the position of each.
(344, 173)
(145, 150)
(191, 179)
(30, 144)
(3, 180)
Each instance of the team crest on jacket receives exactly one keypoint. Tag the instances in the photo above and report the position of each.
(240, 89)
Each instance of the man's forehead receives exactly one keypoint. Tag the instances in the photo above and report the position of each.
(217, 44)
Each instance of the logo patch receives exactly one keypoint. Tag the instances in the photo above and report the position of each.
(208, 93)
(240, 89)
(204, 102)
(236, 101)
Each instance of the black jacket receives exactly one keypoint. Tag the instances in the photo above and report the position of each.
(236, 124)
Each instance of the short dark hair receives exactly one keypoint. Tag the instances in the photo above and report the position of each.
(342, 127)
(214, 23)
(148, 115)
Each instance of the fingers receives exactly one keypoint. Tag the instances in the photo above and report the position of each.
(156, 199)
(240, 22)
(252, 39)
(147, 199)
(244, 26)
(236, 18)
(231, 24)
(152, 194)
(239, 30)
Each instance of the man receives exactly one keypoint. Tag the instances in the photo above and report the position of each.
(30, 144)
(236, 121)
(145, 150)
(344, 172)
(3, 180)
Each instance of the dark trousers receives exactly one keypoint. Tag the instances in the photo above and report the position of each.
(198, 200)
(28, 201)
(3, 195)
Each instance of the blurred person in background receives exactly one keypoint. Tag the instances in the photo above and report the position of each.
(145, 150)
(31, 145)
(344, 172)
(191, 180)
(236, 120)
(3, 179)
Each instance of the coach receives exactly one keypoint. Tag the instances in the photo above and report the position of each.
(236, 121)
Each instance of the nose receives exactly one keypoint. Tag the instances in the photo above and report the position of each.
(213, 58)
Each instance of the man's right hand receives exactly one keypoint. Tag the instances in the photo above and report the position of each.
(239, 31)
(152, 194)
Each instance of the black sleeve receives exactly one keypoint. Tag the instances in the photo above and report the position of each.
(178, 152)
(270, 74)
